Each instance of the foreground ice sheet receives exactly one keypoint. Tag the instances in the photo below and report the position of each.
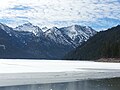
(24, 72)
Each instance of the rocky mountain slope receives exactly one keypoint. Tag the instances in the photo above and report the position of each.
(29, 41)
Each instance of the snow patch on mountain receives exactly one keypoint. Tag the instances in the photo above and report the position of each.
(56, 35)
(72, 35)
(7, 29)
(28, 27)
(78, 33)
(45, 43)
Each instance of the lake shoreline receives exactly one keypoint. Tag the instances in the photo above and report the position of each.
(113, 60)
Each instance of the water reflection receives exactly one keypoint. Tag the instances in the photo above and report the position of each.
(103, 84)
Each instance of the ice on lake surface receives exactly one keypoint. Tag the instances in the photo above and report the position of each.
(36, 72)
(23, 66)
(102, 84)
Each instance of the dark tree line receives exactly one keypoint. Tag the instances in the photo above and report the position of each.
(105, 44)
(111, 50)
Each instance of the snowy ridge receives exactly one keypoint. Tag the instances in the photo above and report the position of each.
(7, 29)
(72, 35)
(29, 28)
(56, 35)
(78, 34)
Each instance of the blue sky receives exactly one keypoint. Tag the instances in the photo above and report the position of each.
(99, 14)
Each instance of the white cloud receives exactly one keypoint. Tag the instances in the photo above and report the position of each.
(48, 11)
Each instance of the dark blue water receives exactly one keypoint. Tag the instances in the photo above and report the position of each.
(102, 84)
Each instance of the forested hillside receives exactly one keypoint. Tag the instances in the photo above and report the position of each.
(105, 44)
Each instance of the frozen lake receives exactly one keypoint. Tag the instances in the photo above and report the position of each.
(35, 72)
(101, 84)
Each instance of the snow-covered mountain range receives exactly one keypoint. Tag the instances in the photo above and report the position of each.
(33, 42)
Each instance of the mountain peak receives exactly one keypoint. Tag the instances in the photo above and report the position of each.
(3, 25)
(80, 27)
(117, 25)
(7, 29)
(75, 25)
(44, 29)
(78, 33)
(54, 28)
(28, 24)
(29, 27)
